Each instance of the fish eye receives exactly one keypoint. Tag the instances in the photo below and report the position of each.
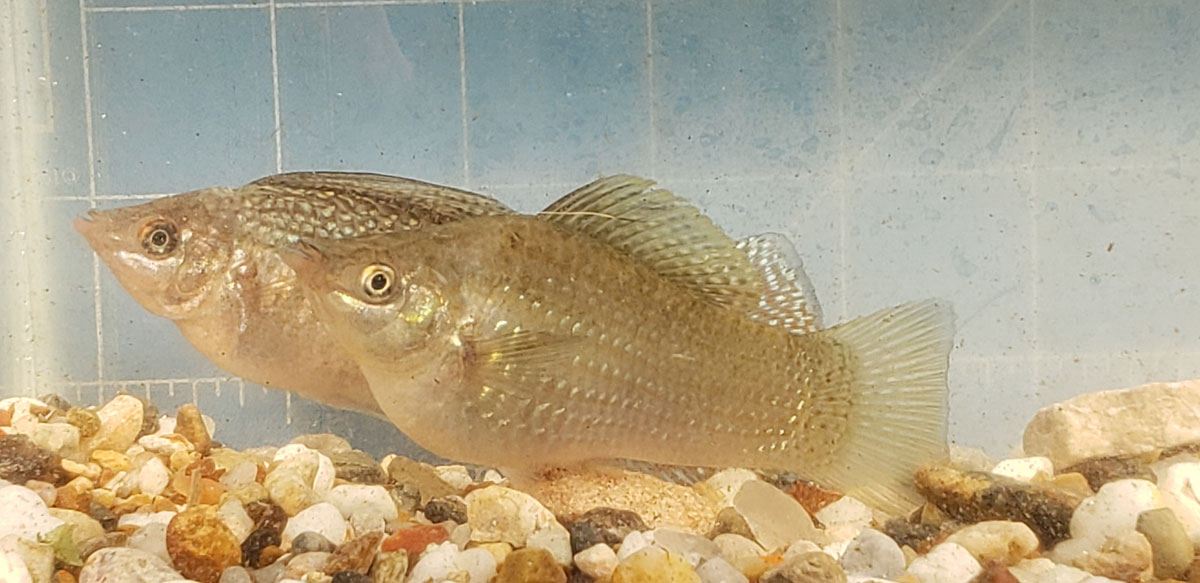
(378, 281)
(159, 237)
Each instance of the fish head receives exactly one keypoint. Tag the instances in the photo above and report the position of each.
(166, 253)
(377, 302)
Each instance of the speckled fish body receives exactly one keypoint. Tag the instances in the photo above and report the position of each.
(524, 342)
(209, 261)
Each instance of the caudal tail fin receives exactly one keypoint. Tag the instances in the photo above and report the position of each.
(895, 414)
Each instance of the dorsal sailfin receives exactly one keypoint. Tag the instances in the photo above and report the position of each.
(451, 202)
(788, 299)
(665, 233)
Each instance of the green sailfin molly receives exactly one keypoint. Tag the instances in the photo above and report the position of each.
(616, 332)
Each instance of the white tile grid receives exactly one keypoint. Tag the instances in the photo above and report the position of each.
(1047, 369)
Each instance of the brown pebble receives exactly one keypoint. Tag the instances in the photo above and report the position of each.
(200, 545)
(355, 555)
(420, 476)
(105, 541)
(730, 521)
(813, 497)
(357, 467)
(86, 420)
(979, 496)
(255, 545)
(75, 495)
(267, 515)
(530, 566)
(995, 572)
(22, 460)
(390, 567)
(6, 417)
(190, 424)
(63, 576)
(920, 537)
(269, 555)
(149, 417)
(1101, 471)
(814, 567)
(447, 508)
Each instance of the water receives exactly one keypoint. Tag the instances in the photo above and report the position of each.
(1034, 163)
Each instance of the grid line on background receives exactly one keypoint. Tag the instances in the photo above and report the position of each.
(275, 86)
(651, 88)
(90, 138)
(841, 186)
(462, 89)
(1032, 197)
(914, 96)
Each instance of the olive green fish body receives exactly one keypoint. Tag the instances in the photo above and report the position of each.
(616, 327)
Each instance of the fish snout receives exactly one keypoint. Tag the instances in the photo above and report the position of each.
(88, 226)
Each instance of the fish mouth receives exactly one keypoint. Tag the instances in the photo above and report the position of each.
(89, 226)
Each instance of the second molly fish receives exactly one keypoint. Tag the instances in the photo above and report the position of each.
(208, 260)
(603, 330)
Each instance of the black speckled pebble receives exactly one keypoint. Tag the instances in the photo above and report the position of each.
(350, 577)
(446, 508)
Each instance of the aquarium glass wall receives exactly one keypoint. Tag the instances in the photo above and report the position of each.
(1035, 163)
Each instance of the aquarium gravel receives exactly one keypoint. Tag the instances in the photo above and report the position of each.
(120, 493)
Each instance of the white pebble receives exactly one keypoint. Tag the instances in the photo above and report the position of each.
(437, 563)
(151, 538)
(597, 561)
(873, 554)
(997, 540)
(632, 543)
(800, 547)
(153, 477)
(1114, 509)
(26, 514)
(1179, 484)
(846, 515)
(457, 476)
(322, 518)
(1025, 469)
(776, 519)
(37, 558)
(557, 541)
(60, 438)
(737, 549)
(23, 420)
(724, 485)
(1046, 571)
(694, 548)
(13, 569)
(140, 519)
(717, 570)
(479, 564)
(500, 514)
(239, 475)
(234, 515)
(351, 498)
(364, 522)
(945, 563)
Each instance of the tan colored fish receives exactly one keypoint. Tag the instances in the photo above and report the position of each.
(208, 260)
(614, 327)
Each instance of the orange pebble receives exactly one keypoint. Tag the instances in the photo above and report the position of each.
(414, 540)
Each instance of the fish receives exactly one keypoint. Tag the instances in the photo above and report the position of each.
(615, 326)
(209, 260)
